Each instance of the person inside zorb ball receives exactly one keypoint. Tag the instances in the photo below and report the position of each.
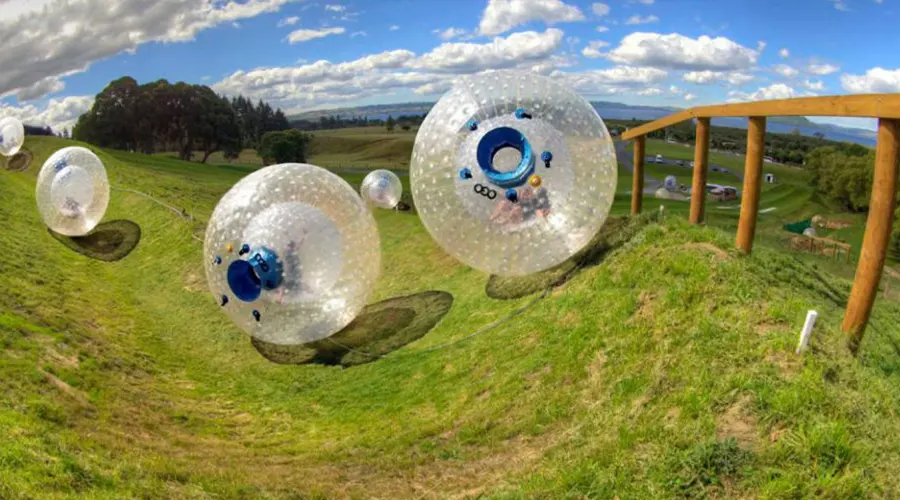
(72, 191)
(513, 173)
(292, 254)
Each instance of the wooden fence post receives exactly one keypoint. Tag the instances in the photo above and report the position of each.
(878, 234)
(701, 158)
(756, 147)
(637, 183)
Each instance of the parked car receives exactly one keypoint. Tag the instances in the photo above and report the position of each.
(659, 159)
(680, 163)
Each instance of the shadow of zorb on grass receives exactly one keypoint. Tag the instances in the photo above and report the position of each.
(380, 328)
(108, 242)
(18, 162)
(614, 233)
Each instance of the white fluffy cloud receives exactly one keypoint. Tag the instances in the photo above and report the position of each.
(816, 85)
(651, 91)
(676, 51)
(785, 70)
(689, 97)
(58, 114)
(42, 45)
(323, 82)
(602, 29)
(593, 49)
(707, 76)
(394, 27)
(335, 8)
(299, 36)
(635, 19)
(822, 69)
(288, 21)
(774, 91)
(600, 9)
(501, 16)
(450, 33)
(874, 81)
(784, 53)
(620, 79)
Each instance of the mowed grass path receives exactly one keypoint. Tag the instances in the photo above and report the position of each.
(665, 371)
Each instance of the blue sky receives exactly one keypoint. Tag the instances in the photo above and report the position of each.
(302, 55)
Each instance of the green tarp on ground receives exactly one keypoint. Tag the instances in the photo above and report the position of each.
(798, 227)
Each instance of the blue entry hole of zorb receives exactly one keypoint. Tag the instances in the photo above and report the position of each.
(479, 189)
(292, 254)
(497, 140)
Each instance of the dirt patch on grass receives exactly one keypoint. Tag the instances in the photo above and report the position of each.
(19, 162)
(788, 364)
(644, 308)
(717, 252)
(738, 422)
(79, 397)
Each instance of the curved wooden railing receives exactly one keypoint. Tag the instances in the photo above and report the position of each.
(884, 107)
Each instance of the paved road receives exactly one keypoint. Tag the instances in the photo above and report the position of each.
(651, 184)
(627, 161)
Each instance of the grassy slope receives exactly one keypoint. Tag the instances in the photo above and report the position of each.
(124, 380)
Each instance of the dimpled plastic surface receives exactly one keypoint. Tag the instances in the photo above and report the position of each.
(324, 236)
(72, 191)
(381, 188)
(547, 224)
(12, 136)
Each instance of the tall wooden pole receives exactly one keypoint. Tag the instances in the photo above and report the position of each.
(756, 147)
(701, 159)
(637, 183)
(878, 234)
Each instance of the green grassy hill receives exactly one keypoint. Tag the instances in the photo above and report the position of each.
(663, 370)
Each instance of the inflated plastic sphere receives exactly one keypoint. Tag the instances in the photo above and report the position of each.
(12, 136)
(381, 188)
(72, 191)
(292, 254)
(475, 153)
(810, 231)
(671, 183)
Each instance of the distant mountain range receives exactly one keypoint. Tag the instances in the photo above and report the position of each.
(618, 111)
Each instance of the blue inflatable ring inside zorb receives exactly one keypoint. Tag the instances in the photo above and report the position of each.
(243, 282)
(500, 138)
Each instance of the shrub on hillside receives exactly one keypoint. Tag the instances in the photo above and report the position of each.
(286, 146)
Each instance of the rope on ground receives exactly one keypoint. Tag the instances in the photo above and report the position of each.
(181, 213)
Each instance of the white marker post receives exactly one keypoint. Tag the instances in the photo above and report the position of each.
(807, 330)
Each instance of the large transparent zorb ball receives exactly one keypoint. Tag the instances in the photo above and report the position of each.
(513, 173)
(292, 254)
(12, 136)
(381, 188)
(72, 191)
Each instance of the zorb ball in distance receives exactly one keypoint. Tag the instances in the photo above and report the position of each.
(292, 254)
(72, 191)
(513, 173)
(671, 183)
(381, 188)
(12, 136)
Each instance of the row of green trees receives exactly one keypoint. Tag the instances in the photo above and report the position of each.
(160, 116)
(783, 148)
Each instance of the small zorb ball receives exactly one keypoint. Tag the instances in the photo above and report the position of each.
(72, 191)
(671, 183)
(513, 173)
(810, 231)
(292, 254)
(12, 136)
(381, 188)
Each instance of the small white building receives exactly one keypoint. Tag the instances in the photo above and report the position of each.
(770, 178)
